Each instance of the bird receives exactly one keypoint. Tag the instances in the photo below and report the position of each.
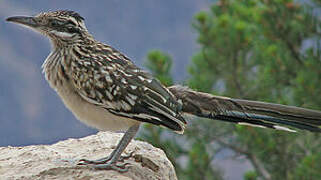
(104, 89)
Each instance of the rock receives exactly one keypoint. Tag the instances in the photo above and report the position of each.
(59, 161)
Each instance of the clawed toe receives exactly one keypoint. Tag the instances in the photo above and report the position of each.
(98, 161)
(103, 160)
(122, 158)
(85, 162)
(106, 164)
(122, 167)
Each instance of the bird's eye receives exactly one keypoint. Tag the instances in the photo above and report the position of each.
(71, 29)
(54, 23)
(71, 23)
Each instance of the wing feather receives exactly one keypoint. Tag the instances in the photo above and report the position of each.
(116, 84)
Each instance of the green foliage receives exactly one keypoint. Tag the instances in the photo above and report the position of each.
(160, 65)
(259, 50)
(309, 168)
(250, 175)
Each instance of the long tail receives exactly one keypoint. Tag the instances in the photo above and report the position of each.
(253, 113)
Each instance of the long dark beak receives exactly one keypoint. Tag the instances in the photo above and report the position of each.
(23, 20)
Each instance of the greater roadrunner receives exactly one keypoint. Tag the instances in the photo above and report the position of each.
(105, 90)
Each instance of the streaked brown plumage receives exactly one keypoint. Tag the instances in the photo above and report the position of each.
(104, 89)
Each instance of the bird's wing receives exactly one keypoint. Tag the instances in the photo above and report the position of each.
(253, 113)
(116, 84)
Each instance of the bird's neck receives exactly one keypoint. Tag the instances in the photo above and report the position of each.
(56, 66)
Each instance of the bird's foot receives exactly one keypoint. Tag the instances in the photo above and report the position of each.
(120, 167)
(106, 164)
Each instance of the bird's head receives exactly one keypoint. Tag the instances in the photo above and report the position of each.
(61, 26)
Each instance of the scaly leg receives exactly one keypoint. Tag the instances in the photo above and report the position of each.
(110, 162)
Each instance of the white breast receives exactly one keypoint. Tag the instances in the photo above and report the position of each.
(92, 115)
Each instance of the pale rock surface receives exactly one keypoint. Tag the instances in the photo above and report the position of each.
(58, 161)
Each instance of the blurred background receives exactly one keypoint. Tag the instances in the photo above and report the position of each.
(260, 50)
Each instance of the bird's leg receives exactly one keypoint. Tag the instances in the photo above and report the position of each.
(110, 162)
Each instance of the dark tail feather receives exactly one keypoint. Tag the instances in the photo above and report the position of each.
(245, 112)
